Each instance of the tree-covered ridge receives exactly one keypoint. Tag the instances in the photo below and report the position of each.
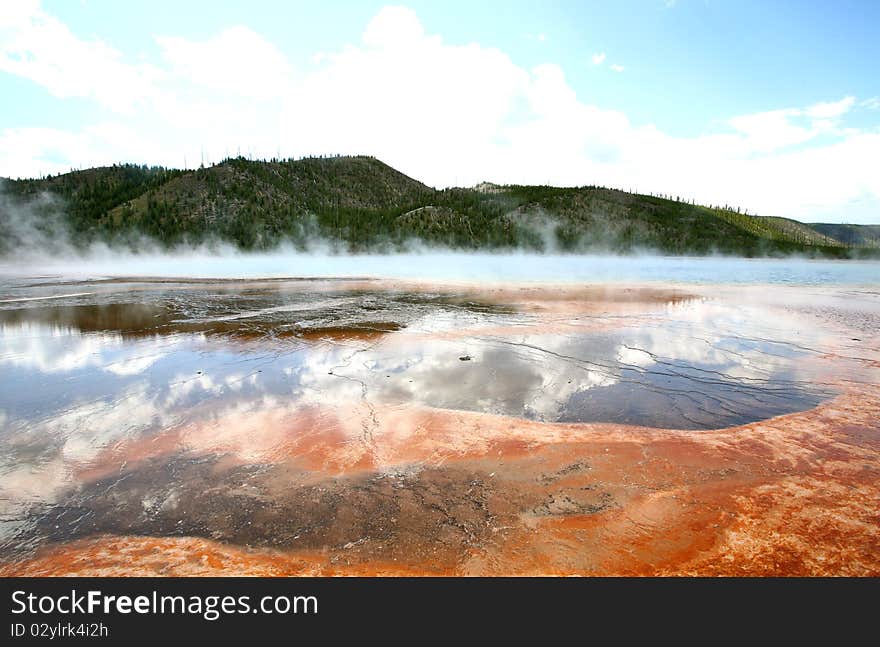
(360, 203)
(851, 235)
(70, 206)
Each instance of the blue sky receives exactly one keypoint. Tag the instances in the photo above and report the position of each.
(771, 106)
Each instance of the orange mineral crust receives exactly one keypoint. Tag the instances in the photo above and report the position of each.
(287, 429)
(795, 495)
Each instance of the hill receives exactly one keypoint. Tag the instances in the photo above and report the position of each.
(360, 203)
(852, 235)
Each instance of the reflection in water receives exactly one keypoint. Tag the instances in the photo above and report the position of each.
(95, 373)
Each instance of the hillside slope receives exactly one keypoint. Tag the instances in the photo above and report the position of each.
(360, 203)
(255, 204)
(853, 235)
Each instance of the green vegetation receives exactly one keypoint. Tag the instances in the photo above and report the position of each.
(851, 235)
(78, 200)
(359, 203)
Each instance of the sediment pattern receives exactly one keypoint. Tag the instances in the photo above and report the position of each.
(368, 427)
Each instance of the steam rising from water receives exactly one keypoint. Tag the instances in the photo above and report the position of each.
(450, 266)
(36, 242)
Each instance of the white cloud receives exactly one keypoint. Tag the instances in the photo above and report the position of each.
(235, 61)
(768, 131)
(616, 67)
(444, 113)
(39, 47)
(831, 109)
(394, 28)
(777, 129)
(35, 152)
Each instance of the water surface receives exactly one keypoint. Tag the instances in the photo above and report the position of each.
(450, 266)
(125, 400)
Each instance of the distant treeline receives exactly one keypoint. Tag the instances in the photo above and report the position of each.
(360, 204)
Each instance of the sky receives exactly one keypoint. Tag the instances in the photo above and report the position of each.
(773, 107)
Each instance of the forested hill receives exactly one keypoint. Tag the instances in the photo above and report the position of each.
(359, 204)
(850, 235)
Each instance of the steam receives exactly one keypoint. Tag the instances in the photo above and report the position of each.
(37, 224)
(449, 266)
(35, 240)
(35, 230)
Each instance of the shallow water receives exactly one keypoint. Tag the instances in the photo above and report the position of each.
(450, 266)
(686, 363)
(122, 397)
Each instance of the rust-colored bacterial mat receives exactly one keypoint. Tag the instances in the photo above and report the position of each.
(387, 427)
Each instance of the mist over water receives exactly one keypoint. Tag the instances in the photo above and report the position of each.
(455, 266)
(35, 241)
(145, 407)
